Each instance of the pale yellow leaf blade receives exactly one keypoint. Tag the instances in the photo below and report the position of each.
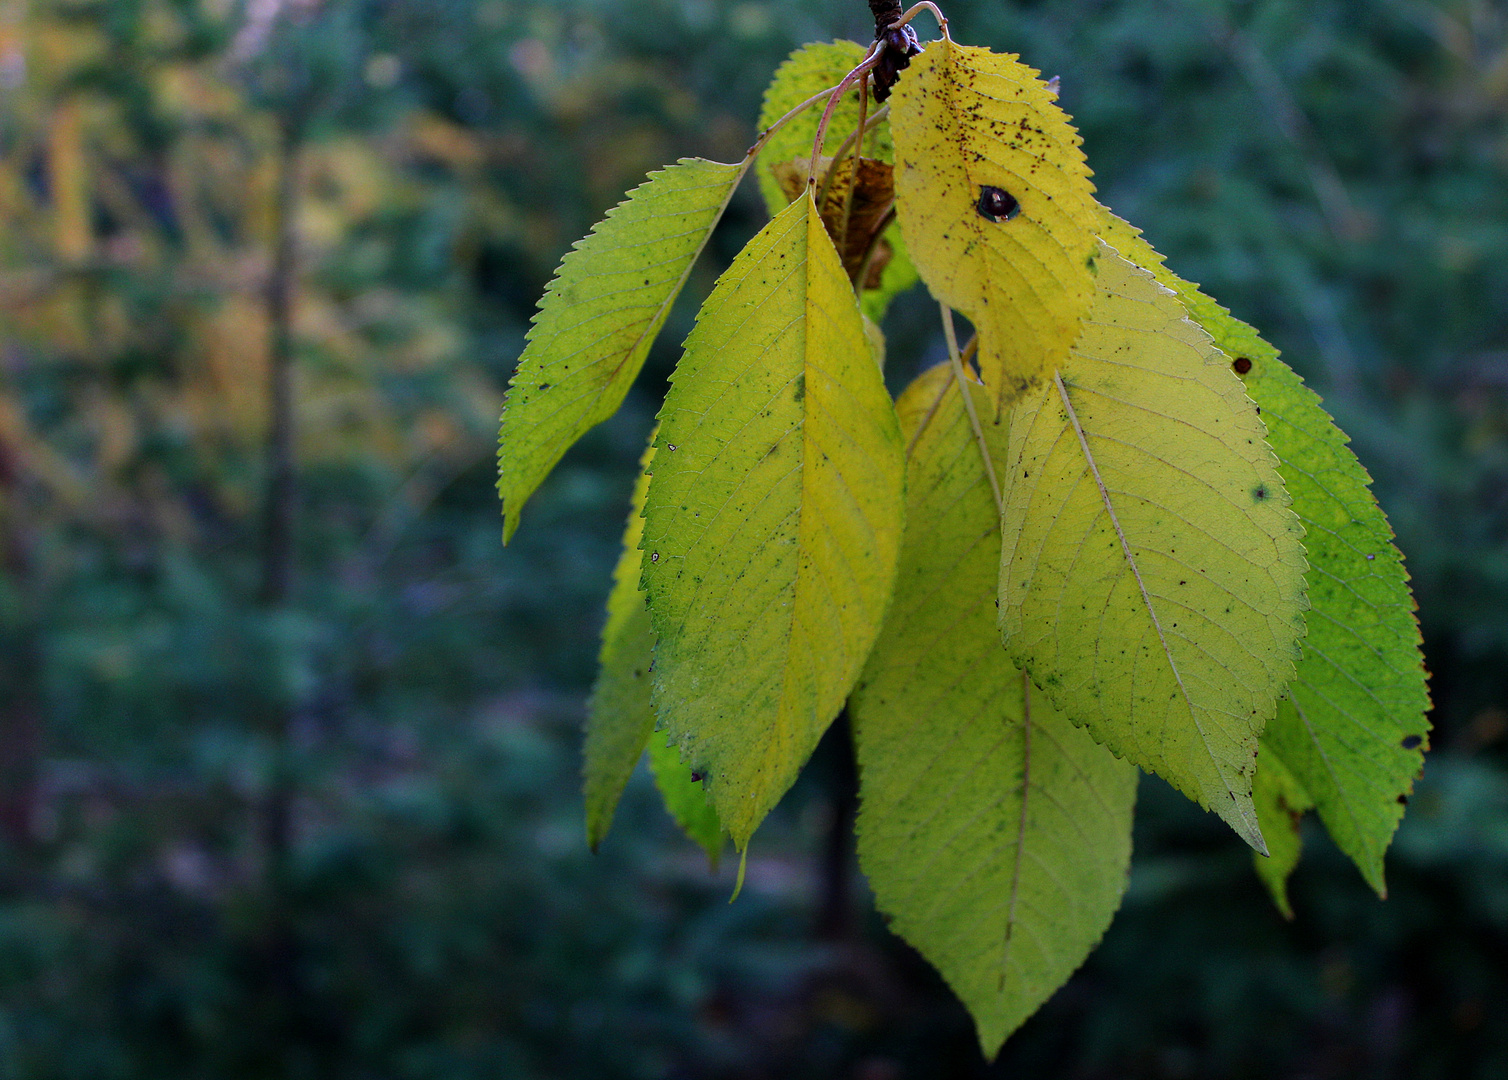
(1152, 577)
(599, 317)
(968, 123)
(773, 520)
(993, 832)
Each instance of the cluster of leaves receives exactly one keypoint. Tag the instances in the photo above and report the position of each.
(1091, 550)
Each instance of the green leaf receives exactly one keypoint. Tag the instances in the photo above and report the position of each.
(1280, 801)
(807, 71)
(599, 317)
(976, 131)
(685, 799)
(1352, 726)
(619, 716)
(994, 832)
(1152, 578)
(773, 520)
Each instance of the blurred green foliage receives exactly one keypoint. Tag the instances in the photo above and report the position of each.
(341, 837)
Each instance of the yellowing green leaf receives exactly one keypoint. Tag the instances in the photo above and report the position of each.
(599, 317)
(619, 715)
(773, 519)
(1152, 573)
(995, 832)
(1280, 801)
(1352, 726)
(685, 799)
(969, 124)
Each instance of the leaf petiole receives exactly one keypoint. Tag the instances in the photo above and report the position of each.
(968, 404)
(916, 9)
(871, 58)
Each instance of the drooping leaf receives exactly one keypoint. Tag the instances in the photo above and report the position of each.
(1352, 726)
(996, 205)
(1281, 802)
(685, 799)
(995, 832)
(1152, 572)
(619, 716)
(773, 519)
(807, 71)
(599, 317)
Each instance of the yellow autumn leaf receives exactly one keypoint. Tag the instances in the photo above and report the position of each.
(1152, 574)
(773, 519)
(994, 833)
(996, 207)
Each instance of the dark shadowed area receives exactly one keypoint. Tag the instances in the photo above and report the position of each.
(289, 743)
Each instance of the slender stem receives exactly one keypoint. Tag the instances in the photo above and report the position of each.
(916, 436)
(871, 58)
(767, 133)
(879, 114)
(853, 180)
(874, 245)
(917, 9)
(277, 552)
(968, 404)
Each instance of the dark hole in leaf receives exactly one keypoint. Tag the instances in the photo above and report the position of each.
(1411, 741)
(1403, 800)
(1242, 365)
(696, 778)
(997, 204)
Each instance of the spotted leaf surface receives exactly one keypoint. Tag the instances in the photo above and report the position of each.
(772, 525)
(599, 317)
(996, 206)
(1352, 726)
(1152, 578)
(994, 832)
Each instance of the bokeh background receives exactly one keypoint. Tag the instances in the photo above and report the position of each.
(289, 770)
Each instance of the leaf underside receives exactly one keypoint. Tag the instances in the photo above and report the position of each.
(599, 317)
(772, 524)
(1152, 573)
(966, 120)
(1280, 801)
(995, 832)
(685, 799)
(1352, 727)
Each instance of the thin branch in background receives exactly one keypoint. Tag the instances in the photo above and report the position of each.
(277, 553)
